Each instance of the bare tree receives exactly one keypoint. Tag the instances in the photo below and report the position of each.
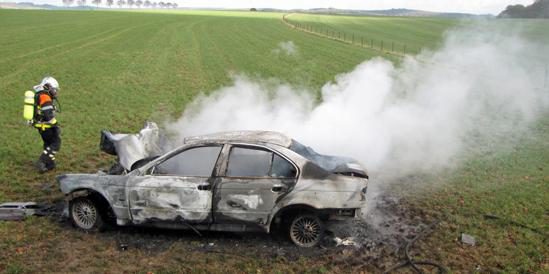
(174, 5)
(161, 4)
(110, 2)
(120, 3)
(130, 3)
(96, 2)
(139, 3)
(147, 3)
(154, 5)
(81, 2)
(67, 2)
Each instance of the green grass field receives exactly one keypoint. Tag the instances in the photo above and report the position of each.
(118, 69)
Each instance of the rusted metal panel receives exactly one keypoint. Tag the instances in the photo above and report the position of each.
(17, 211)
(248, 200)
(110, 187)
(166, 198)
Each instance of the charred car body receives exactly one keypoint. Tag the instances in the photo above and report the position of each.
(232, 181)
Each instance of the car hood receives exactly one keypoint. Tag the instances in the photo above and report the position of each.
(131, 148)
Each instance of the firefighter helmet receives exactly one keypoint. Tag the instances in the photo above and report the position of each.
(48, 84)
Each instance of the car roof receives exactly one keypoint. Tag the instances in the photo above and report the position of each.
(247, 136)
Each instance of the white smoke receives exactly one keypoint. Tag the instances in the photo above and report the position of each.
(481, 87)
(287, 48)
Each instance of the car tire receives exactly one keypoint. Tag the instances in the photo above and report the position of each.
(86, 215)
(306, 230)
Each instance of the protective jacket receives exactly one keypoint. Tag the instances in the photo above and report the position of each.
(44, 113)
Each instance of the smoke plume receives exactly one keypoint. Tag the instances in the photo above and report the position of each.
(287, 48)
(483, 86)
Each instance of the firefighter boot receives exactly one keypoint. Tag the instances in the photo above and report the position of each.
(46, 161)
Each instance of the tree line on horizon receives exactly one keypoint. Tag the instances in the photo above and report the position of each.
(124, 3)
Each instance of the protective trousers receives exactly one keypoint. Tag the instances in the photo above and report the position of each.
(52, 144)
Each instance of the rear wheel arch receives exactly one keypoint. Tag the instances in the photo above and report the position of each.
(286, 217)
(299, 208)
(285, 214)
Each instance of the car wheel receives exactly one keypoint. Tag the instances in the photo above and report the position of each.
(306, 230)
(85, 215)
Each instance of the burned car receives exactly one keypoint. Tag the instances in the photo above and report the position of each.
(230, 181)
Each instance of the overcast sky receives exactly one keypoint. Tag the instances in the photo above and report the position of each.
(468, 6)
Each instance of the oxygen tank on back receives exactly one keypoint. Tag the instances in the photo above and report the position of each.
(28, 109)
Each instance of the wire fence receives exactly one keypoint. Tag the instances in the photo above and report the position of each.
(386, 47)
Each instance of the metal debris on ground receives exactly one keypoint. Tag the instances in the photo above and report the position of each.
(17, 211)
(468, 239)
(345, 242)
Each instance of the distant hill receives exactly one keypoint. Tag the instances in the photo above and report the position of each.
(29, 5)
(13, 5)
(539, 9)
(389, 12)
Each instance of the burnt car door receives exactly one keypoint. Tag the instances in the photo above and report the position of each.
(250, 183)
(176, 190)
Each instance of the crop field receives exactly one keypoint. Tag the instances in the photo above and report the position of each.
(415, 33)
(119, 69)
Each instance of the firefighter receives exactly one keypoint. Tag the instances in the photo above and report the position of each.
(46, 123)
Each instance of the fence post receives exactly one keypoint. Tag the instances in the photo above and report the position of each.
(372, 43)
(353, 41)
(392, 46)
(546, 75)
(381, 46)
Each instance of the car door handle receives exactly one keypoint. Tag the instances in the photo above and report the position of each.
(140, 203)
(204, 187)
(278, 188)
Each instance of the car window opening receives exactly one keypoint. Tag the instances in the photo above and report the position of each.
(196, 162)
(248, 162)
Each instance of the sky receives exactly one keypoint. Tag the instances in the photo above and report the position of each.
(466, 6)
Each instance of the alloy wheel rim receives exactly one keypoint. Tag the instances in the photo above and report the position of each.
(84, 214)
(306, 231)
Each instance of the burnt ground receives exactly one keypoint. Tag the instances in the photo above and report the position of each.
(374, 245)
